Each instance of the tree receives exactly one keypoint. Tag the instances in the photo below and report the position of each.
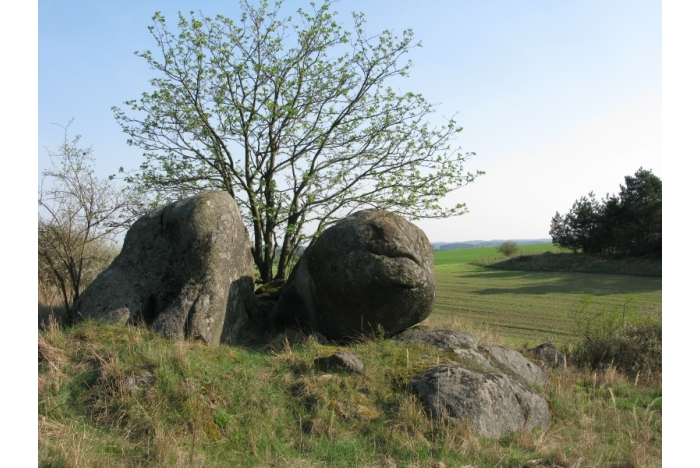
(640, 201)
(579, 229)
(508, 248)
(298, 122)
(627, 223)
(79, 214)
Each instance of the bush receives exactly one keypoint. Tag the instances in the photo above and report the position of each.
(616, 336)
(80, 215)
(508, 248)
(634, 348)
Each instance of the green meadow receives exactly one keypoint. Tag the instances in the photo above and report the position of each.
(462, 256)
(261, 406)
(530, 306)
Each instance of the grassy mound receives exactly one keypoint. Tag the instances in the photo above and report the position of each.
(123, 396)
(581, 263)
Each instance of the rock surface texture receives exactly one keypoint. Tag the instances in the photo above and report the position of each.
(443, 339)
(494, 404)
(340, 361)
(512, 361)
(371, 269)
(548, 355)
(185, 270)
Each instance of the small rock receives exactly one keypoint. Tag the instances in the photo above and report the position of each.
(341, 361)
(353, 410)
(138, 380)
(443, 339)
(548, 355)
(267, 295)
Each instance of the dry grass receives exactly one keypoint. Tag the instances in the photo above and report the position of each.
(482, 331)
(245, 407)
(51, 308)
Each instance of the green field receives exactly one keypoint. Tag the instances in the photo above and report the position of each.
(452, 257)
(528, 306)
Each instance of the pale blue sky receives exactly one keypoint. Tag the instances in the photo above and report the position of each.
(556, 98)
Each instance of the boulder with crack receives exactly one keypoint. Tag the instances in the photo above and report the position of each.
(186, 271)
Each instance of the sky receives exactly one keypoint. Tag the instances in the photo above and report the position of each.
(556, 99)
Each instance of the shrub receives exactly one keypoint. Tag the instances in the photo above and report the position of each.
(508, 248)
(616, 336)
(80, 215)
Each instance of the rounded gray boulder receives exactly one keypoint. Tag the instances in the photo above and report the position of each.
(372, 269)
(493, 404)
(185, 270)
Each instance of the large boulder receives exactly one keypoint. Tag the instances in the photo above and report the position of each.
(185, 270)
(493, 404)
(371, 269)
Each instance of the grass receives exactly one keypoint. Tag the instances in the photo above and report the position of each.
(462, 256)
(239, 406)
(528, 306)
(568, 262)
(245, 406)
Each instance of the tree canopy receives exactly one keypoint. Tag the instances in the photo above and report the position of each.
(628, 223)
(297, 121)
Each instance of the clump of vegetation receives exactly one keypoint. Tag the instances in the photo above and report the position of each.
(616, 336)
(508, 248)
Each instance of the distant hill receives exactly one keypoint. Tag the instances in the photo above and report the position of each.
(482, 243)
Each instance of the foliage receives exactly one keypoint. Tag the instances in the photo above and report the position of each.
(579, 229)
(79, 217)
(508, 248)
(628, 223)
(298, 122)
(616, 336)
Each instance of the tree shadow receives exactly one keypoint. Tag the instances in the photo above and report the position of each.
(566, 283)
